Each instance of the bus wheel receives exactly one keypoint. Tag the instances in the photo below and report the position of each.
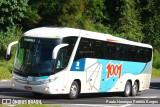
(134, 89)
(74, 90)
(127, 90)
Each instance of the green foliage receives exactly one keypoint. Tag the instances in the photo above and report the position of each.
(17, 12)
(150, 13)
(113, 13)
(130, 24)
(124, 19)
(11, 11)
(12, 34)
(82, 14)
(46, 10)
(31, 19)
(155, 73)
(5, 69)
(156, 59)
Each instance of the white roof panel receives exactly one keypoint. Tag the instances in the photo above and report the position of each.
(58, 32)
(55, 32)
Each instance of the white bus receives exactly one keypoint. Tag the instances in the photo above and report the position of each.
(73, 61)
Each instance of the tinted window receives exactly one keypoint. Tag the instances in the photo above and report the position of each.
(64, 53)
(90, 48)
(98, 48)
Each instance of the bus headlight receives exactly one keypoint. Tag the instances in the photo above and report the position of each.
(12, 85)
(46, 89)
(47, 81)
(13, 77)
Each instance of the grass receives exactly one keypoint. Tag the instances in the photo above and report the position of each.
(155, 73)
(7, 66)
(5, 69)
(30, 105)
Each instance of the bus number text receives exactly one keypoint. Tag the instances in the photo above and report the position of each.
(114, 70)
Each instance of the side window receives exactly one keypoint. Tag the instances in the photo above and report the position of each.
(89, 48)
(64, 53)
(121, 52)
(132, 53)
(97, 48)
(62, 58)
(140, 54)
(84, 49)
(71, 41)
(110, 51)
(148, 55)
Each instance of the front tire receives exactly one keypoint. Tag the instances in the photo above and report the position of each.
(127, 90)
(74, 90)
(134, 89)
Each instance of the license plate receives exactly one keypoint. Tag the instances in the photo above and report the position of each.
(27, 87)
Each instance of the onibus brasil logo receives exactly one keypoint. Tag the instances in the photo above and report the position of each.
(114, 70)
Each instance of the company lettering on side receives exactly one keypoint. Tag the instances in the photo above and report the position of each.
(114, 70)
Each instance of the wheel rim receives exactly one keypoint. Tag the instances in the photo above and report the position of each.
(73, 90)
(134, 88)
(128, 89)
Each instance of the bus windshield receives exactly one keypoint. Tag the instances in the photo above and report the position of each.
(34, 56)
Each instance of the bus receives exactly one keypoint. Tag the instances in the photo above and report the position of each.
(56, 60)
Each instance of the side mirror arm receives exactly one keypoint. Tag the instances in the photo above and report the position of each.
(8, 51)
(56, 49)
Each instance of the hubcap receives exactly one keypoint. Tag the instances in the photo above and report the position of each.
(134, 89)
(128, 89)
(73, 90)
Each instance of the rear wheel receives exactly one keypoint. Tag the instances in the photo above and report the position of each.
(127, 90)
(134, 89)
(74, 90)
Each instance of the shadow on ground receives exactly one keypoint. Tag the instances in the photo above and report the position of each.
(155, 85)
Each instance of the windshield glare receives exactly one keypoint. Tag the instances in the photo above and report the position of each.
(34, 56)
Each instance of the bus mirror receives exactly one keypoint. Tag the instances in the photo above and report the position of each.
(7, 55)
(56, 49)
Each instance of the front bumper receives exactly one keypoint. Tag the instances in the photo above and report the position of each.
(47, 88)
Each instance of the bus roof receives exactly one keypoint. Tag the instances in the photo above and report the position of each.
(60, 32)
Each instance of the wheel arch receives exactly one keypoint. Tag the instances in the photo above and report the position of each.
(129, 80)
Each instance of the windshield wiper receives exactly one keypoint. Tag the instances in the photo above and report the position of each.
(20, 72)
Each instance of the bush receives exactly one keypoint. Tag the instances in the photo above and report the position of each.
(12, 34)
(156, 59)
(5, 69)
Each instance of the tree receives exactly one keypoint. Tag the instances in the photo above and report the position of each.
(129, 21)
(113, 13)
(150, 13)
(13, 15)
(46, 10)
(16, 12)
(83, 14)
(11, 12)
